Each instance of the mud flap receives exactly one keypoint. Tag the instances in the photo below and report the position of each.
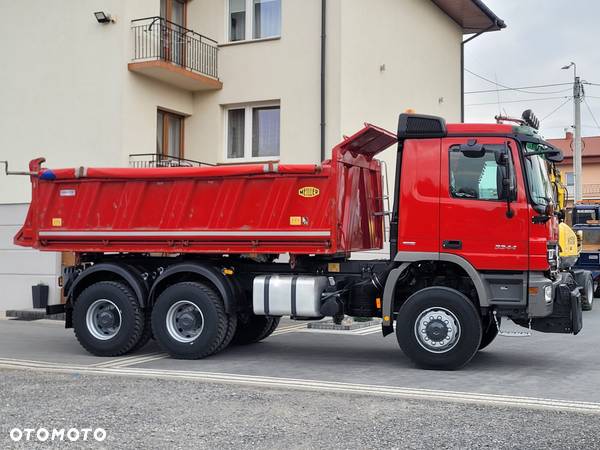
(566, 316)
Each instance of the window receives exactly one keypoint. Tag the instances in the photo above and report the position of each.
(476, 178)
(570, 179)
(584, 217)
(254, 19)
(253, 131)
(169, 134)
(237, 20)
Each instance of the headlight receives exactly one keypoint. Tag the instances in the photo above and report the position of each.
(548, 294)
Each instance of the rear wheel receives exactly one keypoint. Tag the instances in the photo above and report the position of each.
(252, 328)
(189, 321)
(439, 328)
(107, 319)
(587, 292)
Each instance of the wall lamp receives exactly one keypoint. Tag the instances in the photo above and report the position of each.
(102, 17)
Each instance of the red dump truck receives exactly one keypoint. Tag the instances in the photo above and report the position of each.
(192, 255)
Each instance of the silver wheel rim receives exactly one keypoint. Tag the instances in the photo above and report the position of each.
(184, 321)
(437, 330)
(103, 319)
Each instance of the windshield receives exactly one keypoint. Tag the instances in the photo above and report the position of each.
(537, 177)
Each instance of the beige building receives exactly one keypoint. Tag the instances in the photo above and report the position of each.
(217, 81)
(590, 161)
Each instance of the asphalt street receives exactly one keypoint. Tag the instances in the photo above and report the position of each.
(306, 389)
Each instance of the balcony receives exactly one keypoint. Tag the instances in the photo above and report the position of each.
(175, 55)
(154, 160)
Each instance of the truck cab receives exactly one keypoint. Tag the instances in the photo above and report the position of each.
(474, 202)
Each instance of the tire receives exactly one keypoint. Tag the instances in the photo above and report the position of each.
(230, 333)
(252, 328)
(587, 292)
(489, 334)
(438, 346)
(107, 319)
(200, 312)
(147, 333)
(269, 331)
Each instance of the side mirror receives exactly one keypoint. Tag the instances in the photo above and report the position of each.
(504, 160)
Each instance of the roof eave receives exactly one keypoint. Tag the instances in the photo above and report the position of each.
(473, 16)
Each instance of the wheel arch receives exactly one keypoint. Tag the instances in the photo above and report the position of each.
(408, 259)
(110, 272)
(196, 272)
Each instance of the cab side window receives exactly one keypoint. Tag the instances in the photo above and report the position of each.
(476, 178)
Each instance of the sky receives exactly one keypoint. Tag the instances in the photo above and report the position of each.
(541, 37)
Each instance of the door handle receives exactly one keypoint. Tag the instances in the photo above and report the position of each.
(452, 245)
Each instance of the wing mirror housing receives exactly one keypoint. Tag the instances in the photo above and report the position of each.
(472, 149)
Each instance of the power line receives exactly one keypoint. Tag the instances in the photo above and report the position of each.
(520, 89)
(508, 88)
(591, 113)
(518, 101)
(556, 109)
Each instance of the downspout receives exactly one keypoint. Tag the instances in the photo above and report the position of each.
(323, 42)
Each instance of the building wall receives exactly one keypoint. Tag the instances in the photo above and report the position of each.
(21, 268)
(285, 69)
(419, 47)
(60, 85)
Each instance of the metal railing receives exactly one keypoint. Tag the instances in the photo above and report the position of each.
(157, 38)
(146, 160)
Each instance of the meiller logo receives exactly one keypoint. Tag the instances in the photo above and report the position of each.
(308, 191)
(54, 434)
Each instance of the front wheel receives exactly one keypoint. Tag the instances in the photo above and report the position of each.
(439, 328)
(489, 333)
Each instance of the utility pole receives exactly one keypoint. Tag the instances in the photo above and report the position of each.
(577, 169)
(577, 99)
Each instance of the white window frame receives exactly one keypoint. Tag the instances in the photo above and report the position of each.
(248, 119)
(249, 24)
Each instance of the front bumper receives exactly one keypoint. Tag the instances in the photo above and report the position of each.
(555, 306)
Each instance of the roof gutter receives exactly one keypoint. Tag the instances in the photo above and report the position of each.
(497, 21)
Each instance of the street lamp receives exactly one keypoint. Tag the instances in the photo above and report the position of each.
(568, 66)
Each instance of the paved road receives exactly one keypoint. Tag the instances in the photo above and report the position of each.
(367, 391)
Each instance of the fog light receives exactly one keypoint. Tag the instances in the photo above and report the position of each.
(548, 294)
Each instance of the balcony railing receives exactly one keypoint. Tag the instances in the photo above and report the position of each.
(155, 38)
(146, 160)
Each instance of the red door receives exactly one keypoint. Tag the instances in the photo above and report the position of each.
(474, 222)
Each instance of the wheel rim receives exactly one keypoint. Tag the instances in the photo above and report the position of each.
(184, 321)
(103, 319)
(437, 330)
